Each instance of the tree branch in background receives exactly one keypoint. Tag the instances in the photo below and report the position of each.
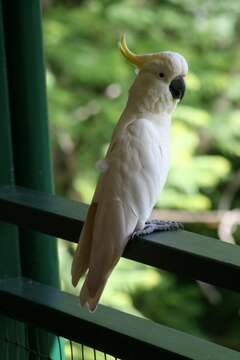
(230, 192)
(225, 222)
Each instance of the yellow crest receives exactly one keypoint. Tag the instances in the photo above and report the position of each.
(137, 60)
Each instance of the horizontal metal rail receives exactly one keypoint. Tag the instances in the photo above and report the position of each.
(112, 331)
(183, 252)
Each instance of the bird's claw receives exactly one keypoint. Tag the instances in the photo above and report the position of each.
(158, 225)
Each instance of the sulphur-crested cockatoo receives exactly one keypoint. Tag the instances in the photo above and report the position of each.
(133, 172)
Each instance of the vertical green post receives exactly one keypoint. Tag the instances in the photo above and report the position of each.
(10, 260)
(31, 146)
(9, 245)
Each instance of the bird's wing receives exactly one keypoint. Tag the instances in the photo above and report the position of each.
(82, 254)
(134, 167)
(124, 195)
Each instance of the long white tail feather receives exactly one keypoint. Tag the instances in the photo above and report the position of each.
(82, 255)
(87, 300)
(114, 223)
(81, 260)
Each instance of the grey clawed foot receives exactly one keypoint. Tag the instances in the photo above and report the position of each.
(158, 225)
(166, 225)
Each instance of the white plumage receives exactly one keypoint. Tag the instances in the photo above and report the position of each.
(132, 174)
(102, 165)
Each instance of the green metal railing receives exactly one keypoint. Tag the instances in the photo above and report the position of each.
(24, 144)
(182, 252)
(29, 125)
(35, 314)
(110, 331)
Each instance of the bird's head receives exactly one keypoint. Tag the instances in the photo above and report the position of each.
(159, 84)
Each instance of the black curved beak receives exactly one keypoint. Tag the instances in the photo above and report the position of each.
(177, 87)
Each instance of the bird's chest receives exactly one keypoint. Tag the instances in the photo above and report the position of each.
(159, 166)
(149, 166)
(157, 152)
(138, 166)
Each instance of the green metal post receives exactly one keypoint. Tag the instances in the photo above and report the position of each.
(9, 234)
(26, 76)
(9, 245)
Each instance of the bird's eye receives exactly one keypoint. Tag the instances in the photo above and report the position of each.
(161, 75)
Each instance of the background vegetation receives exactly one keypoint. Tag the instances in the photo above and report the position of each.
(87, 89)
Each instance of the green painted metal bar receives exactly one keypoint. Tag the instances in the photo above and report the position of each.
(182, 252)
(9, 245)
(122, 335)
(7, 266)
(29, 125)
(31, 146)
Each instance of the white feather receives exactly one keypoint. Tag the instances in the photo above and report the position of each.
(102, 165)
(132, 176)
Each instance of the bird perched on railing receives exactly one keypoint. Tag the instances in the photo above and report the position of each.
(133, 172)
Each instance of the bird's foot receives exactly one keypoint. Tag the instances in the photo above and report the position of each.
(158, 225)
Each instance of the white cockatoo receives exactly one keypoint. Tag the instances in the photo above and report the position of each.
(133, 172)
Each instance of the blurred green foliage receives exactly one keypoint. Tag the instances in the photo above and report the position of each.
(88, 82)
